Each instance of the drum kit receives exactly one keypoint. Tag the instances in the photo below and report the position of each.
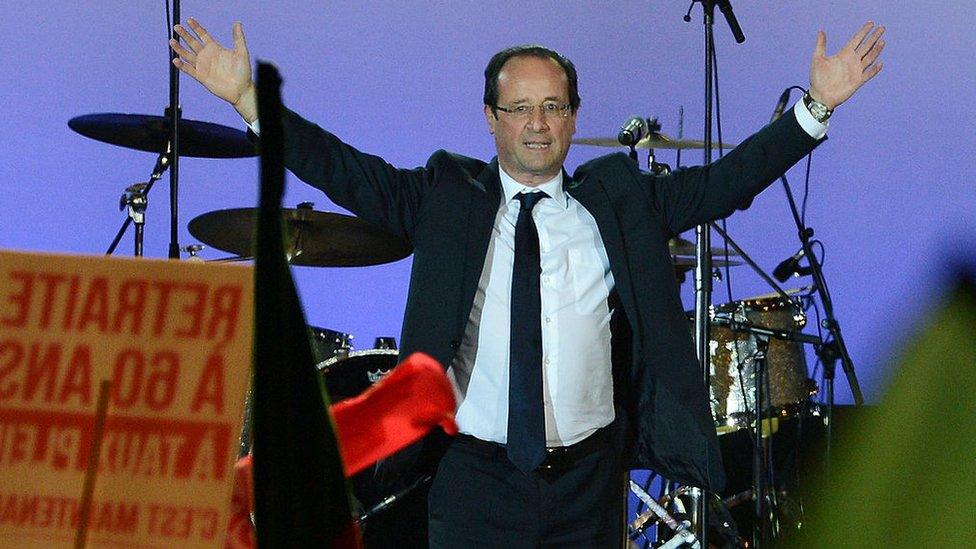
(314, 238)
(325, 239)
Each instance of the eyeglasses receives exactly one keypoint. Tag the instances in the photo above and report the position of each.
(549, 110)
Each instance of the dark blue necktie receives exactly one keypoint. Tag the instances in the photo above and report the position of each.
(526, 417)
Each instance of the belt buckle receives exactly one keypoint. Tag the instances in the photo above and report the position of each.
(555, 459)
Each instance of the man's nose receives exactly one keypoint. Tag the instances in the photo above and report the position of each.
(537, 120)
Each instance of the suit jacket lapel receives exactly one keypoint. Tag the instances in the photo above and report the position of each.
(599, 200)
(482, 207)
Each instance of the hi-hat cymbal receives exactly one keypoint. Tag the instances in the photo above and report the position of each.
(316, 239)
(652, 141)
(681, 246)
(150, 133)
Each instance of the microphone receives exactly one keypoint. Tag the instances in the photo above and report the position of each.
(790, 266)
(632, 131)
(726, 8)
(781, 104)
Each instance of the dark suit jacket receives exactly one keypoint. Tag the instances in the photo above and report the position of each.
(447, 208)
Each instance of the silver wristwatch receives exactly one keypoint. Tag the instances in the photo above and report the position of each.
(819, 111)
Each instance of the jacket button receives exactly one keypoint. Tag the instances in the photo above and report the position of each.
(455, 345)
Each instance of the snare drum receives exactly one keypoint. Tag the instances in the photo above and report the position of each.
(732, 359)
(349, 375)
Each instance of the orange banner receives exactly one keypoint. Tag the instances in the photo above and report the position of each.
(174, 339)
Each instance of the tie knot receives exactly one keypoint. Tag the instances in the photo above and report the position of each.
(529, 200)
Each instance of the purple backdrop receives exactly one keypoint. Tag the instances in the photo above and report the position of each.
(891, 193)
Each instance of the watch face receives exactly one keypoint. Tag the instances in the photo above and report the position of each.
(819, 111)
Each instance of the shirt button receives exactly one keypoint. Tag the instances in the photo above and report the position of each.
(548, 320)
(546, 362)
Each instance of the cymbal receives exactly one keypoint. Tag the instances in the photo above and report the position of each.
(681, 246)
(652, 141)
(774, 295)
(150, 133)
(316, 239)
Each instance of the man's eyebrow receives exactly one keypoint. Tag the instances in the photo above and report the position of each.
(557, 99)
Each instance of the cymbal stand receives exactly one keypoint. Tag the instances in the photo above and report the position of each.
(136, 197)
(173, 113)
(655, 167)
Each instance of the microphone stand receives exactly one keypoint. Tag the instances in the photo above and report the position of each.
(703, 259)
(834, 348)
(703, 263)
(760, 373)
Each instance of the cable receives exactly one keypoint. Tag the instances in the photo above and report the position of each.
(721, 154)
(806, 192)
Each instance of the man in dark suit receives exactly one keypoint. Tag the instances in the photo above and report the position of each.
(551, 300)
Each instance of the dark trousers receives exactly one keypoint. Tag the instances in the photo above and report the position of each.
(479, 499)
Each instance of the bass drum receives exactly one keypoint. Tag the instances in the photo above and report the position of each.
(328, 343)
(348, 374)
(733, 365)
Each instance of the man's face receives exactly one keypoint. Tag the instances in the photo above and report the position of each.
(532, 149)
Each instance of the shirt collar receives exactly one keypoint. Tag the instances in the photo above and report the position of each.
(553, 187)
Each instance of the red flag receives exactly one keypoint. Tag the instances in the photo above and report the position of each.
(396, 412)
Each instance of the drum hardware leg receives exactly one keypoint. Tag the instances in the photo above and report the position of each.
(136, 198)
(667, 490)
(682, 534)
(759, 450)
(829, 355)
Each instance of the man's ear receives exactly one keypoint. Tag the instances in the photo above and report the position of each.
(490, 118)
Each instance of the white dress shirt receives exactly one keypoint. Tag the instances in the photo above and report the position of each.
(575, 286)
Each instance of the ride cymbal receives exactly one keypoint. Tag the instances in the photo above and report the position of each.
(150, 133)
(652, 141)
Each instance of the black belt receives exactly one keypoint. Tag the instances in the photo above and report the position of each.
(557, 458)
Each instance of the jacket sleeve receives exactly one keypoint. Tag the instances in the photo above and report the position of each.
(691, 196)
(364, 184)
